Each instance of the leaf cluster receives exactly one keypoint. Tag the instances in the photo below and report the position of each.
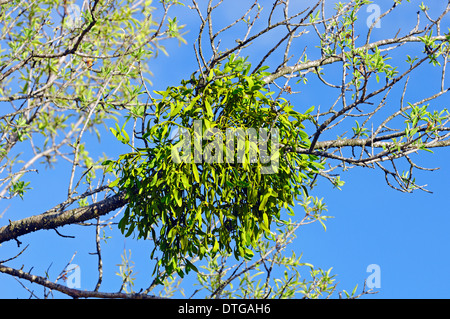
(193, 206)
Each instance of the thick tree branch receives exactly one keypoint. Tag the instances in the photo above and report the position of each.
(54, 219)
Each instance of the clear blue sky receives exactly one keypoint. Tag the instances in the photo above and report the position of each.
(405, 234)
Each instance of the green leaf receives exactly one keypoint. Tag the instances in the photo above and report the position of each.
(250, 81)
(190, 265)
(309, 110)
(177, 197)
(209, 109)
(175, 109)
(265, 224)
(264, 201)
(354, 290)
(192, 103)
(195, 171)
(215, 247)
(185, 181)
(114, 183)
(130, 230)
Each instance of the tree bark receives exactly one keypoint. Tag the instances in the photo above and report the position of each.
(52, 219)
(74, 293)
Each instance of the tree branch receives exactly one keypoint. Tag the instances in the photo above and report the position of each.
(328, 60)
(75, 293)
(54, 219)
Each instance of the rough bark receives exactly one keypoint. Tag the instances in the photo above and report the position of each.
(54, 219)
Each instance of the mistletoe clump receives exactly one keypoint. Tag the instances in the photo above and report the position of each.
(203, 183)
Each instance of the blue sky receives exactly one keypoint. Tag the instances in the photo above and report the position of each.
(405, 234)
